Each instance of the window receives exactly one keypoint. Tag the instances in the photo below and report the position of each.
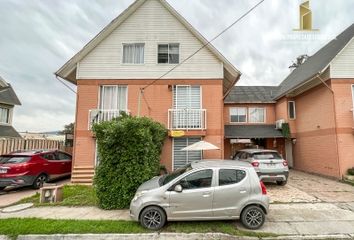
(133, 53)
(353, 98)
(266, 155)
(238, 115)
(200, 179)
(4, 115)
(63, 156)
(14, 159)
(168, 53)
(49, 156)
(256, 115)
(230, 176)
(113, 97)
(181, 157)
(291, 110)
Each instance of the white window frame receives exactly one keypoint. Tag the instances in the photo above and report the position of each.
(112, 85)
(264, 114)
(133, 43)
(9, 116)
(353, 99)
(168, 53)
(246, 114)
(290, 118)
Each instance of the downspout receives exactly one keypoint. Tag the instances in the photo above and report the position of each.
(335, 121)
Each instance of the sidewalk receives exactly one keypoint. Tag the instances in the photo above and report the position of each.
(283, 219)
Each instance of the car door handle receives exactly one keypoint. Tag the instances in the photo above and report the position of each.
(243, 191)
(206, 194)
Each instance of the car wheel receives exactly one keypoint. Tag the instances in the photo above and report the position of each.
(39, 181)
(153, 218)
(252, 217)
(281, 183)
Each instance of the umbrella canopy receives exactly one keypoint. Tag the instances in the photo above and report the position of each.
(201, 145)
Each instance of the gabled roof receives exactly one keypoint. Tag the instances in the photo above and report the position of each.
(316, 64)
(68, 70)
(252, 94)
(7, 94)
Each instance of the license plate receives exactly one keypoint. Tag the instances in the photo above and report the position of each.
(3, 170)
(271, 165)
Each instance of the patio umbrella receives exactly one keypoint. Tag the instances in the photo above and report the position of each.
(201, 145)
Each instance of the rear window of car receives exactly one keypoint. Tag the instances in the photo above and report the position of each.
(266, 155)
(14, 159)
(230, 176)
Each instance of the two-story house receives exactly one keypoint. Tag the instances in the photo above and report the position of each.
(8, 100)
(127, 67)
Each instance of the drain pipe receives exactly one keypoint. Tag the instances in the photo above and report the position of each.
(335, 121)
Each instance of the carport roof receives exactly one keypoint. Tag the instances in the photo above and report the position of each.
(252, 131)
(7, 131)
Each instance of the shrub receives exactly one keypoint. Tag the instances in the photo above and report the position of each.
(351, 171)
(129, 151)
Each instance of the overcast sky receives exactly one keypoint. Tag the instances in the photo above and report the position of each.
(39, 36)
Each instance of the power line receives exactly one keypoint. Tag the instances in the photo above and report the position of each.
(206, 44)
(65, 84)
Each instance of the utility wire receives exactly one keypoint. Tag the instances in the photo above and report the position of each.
(65, 84)
(206, 44)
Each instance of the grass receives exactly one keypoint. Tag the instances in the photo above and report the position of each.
(14, 226)
(73, 195)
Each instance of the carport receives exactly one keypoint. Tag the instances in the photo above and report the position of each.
(253, 136)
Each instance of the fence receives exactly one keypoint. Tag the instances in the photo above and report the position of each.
(11, 145)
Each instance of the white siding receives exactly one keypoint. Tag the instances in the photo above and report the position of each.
(150, 24)
(343, 65)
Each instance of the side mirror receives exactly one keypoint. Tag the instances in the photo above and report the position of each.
(178, 188)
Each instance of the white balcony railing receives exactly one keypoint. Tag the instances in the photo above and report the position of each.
(187, 119)
(102, 115)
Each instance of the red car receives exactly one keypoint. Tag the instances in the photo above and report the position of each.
(33, 168)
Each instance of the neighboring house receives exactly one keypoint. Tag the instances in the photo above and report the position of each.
(316, 100)
(249, 117)
(138, 47)
(8, 100)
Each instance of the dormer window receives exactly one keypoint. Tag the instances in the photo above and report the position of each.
(4, 115)
(133, 53)
(168, 53)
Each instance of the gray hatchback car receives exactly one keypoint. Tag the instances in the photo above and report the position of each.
(269, 164)
(202, 190)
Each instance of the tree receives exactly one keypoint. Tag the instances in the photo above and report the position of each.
(68, 129)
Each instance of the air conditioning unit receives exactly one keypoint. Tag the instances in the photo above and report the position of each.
(279, 123)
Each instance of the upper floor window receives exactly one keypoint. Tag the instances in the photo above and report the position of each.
(238, 115)
(133, 53)
(4, 115)
(256, 115)
(113, 97)
(291, 110)
(168, 53)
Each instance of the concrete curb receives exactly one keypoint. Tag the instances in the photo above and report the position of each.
(173, 236)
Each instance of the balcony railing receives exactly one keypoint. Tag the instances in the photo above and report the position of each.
(102, 115)
(187, 119)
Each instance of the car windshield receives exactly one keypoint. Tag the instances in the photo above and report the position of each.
(178, 172)
(14, 159)
(266, 155)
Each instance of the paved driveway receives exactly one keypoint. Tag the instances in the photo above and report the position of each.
(307, 188)
(310, 204)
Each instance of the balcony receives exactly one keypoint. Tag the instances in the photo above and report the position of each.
(187, 119)
(102, 115)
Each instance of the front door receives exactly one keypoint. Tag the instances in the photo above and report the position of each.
(195, 200)
(232, 192)
(289, 152)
